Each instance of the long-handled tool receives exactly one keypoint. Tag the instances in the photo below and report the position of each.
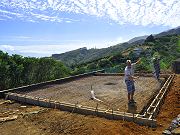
(94, 98)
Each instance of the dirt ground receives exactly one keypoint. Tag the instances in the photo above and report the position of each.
(55, 122)
(110, 89)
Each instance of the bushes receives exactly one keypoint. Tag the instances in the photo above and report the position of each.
(16, 70)
(116, 69)
(117, 59)
(92, 66)
(145, 65)
(79, 70)
(150, 38)
(104, 63)
(168, 49)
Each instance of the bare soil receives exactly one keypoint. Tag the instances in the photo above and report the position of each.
(55, 122)
(110, 89)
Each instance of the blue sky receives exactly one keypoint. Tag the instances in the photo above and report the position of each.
(44, 27)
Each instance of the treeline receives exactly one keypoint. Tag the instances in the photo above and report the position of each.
(167, 47)
(17, 70)
(114, 63)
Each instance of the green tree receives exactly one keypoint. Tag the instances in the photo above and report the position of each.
(16, 70)
(91, 66)
(60, 70)
(103, 63)
(117, 59)
(79, 70)
(150, 38)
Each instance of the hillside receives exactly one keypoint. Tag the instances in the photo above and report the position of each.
(84, 55)
(137, 39)
(166, 47)
(169, 32)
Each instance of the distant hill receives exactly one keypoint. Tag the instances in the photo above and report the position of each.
(169, 32)
(83, 55)
(137, 39)
(166, 47)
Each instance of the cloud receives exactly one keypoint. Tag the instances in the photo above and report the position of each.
(22, 37)
(18, 38)
(138, 12)
(39, 50)
(7, 48)
(1, 19)
(49, 49)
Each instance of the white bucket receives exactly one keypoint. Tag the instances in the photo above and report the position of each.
(92, 94)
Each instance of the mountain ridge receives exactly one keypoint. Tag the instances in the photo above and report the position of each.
(83, 54)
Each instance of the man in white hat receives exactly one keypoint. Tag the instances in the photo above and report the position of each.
(129, 79)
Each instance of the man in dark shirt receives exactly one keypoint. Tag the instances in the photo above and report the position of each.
(156, 65)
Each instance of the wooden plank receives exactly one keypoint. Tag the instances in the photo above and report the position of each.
(83, 110)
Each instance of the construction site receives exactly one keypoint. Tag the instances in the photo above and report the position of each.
(91, 103)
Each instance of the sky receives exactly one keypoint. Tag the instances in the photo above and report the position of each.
(39, 28)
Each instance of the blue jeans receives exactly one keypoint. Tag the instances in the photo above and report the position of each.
(130, 86)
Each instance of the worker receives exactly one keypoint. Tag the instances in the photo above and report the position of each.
(129, 79)
(156, 65)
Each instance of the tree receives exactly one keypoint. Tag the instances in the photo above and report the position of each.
(150, 38)
(104, 63)
(79, 70)
(117, 59)
(16, 70)
(91, 66)
(60, 70)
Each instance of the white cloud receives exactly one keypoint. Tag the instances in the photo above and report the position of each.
(21, 37)
(115, 41)
(138, 12)
(50, 2)
(46, 17)
(1, 19)
(7, 48)
(69, 21)
(9, 12)
(16, 38)
(48, 50)
(40, 50)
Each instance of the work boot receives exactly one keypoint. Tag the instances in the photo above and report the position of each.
(132, 101)
(129, 102)
(166, 132)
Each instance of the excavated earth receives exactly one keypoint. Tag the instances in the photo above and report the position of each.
(110, 89)
(33, 120)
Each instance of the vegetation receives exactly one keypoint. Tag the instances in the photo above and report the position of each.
(150, 38)
(167, 47)
(16, 70)
(83, 55)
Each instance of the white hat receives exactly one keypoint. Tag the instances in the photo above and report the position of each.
(128, 61)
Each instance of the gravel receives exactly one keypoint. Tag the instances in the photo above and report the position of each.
(110, 89)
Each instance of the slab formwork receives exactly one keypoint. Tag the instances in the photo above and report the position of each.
(104, 106)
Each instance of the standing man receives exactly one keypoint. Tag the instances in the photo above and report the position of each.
(129, 79)
(156, 64)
